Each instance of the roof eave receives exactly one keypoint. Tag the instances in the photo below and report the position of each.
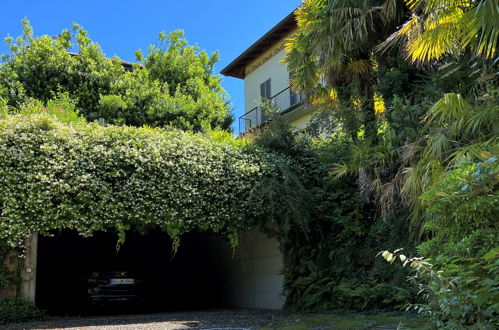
(237, 67)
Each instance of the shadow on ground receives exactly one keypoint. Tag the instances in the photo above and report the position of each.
(226, 319)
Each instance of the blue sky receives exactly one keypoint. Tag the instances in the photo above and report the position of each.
(121, 27)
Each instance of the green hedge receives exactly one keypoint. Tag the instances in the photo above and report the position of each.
(80, 176)
(18, 310)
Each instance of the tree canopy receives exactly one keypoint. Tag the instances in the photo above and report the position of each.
(173, 84)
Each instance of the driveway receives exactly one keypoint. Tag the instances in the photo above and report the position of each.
(238, 320)
(221, 319)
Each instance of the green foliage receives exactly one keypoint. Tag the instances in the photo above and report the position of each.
(339, 272)
(8, 276)
(18, 310)
(394, 76)
(437, 121)
(461, 283)
(334, 48)
(172, 85)
(461, 212)
(55, 175)
(348, 320)
(328, 254)
(435, 29)
(295, 170)
(60, 107)
(459, 295)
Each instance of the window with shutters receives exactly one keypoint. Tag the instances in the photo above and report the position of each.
(265, 90)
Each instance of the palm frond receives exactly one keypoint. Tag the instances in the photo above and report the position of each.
(438, 146)
(486, 117)
(340, 170)
(412, 187)
(435, 37)
(449, 108)
(440, 27)
(481, 26)
(473, 151)
(359, 68)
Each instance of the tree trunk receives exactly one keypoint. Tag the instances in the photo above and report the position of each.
(368, 111)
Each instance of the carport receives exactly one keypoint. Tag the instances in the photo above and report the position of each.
(205, 272)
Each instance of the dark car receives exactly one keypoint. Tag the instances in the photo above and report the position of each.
(115, 287)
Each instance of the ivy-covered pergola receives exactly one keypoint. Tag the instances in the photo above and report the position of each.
(84, 177)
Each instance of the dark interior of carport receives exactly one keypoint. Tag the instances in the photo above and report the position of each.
(195, 277)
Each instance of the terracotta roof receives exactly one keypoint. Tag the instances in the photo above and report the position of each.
(237, 68)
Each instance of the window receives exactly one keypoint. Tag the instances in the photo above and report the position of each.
(265, 90)
(265, 95)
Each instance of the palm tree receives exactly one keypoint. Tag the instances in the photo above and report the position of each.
(437, 28)
(334, 48)
(453, 35)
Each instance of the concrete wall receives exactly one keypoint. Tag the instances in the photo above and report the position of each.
(28, 273)
(255, 273)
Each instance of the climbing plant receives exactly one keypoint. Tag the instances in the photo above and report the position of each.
(57, 175)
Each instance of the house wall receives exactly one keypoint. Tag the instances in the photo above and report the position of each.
(273, 69)
(270, 65)
(302, 122)
(255, 273)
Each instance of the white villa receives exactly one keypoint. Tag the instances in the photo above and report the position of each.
(266, 78)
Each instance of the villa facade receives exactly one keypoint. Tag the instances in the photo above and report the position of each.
(266, 79)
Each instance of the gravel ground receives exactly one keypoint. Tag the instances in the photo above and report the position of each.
(222, 319)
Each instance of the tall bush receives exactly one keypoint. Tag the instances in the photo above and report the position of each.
(173, 84)
(329, 253)
(459, 274)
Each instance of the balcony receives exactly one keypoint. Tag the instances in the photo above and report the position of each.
(284, 101)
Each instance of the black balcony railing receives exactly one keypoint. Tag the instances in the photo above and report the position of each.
(282, 101)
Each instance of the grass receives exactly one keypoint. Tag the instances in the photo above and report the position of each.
(351, 321)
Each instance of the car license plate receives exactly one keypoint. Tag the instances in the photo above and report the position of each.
(122, 281)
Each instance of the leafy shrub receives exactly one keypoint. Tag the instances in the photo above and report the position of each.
(17, 310)
(329, 256)
(460, 295)
(460, 276)
(461, 212)
(60, 107)
(86, 177)
(172, 85)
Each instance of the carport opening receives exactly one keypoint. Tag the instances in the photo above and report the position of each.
(196, 277)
